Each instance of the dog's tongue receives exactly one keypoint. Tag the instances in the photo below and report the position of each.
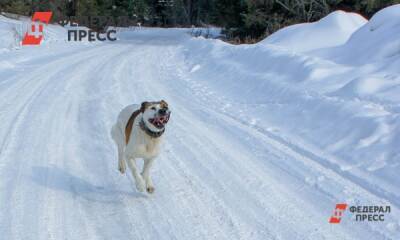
(163, 119)
(160, 121)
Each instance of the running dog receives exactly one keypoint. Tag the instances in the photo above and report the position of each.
(138, 134)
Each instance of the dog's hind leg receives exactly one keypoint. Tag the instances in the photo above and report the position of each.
(119, 140)
(140, 184)
(121, 160)
(146, 174)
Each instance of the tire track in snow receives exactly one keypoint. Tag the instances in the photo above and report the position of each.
(12, 139)
(49, 84)
(78, 184)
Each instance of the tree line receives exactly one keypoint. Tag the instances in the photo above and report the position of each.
(243, 20)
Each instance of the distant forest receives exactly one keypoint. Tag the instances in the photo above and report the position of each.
(242, 20)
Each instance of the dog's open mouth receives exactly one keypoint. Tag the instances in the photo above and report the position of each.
(159, 121)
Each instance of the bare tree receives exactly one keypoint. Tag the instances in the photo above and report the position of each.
(305, 10)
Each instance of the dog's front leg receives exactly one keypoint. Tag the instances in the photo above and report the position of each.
(146, 174)
(140, 184)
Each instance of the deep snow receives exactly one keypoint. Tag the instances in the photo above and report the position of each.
(264, 139)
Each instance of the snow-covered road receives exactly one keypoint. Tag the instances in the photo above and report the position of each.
(220, 176)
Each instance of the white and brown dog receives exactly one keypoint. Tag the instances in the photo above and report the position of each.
(138, 134)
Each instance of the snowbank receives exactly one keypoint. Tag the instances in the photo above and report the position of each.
(332, 30)
(377, 40)
(10, 33)
(374, 50)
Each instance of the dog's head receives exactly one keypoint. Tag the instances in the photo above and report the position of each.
(155, 114)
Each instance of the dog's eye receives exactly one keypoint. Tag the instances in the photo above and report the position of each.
(153, 108)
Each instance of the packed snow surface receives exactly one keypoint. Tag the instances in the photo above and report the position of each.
(263, 141)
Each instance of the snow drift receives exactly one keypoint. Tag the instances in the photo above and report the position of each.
(10, 33)
(377, 40)
(332, 30)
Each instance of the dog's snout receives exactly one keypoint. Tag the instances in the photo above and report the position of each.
(162, 111)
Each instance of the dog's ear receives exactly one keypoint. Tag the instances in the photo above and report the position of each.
(163, 104)
(143, 106)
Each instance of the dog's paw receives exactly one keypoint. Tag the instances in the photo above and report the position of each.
(140, 186)
(121, 166)
(150, 189)
(149, 185)
(121, 169)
